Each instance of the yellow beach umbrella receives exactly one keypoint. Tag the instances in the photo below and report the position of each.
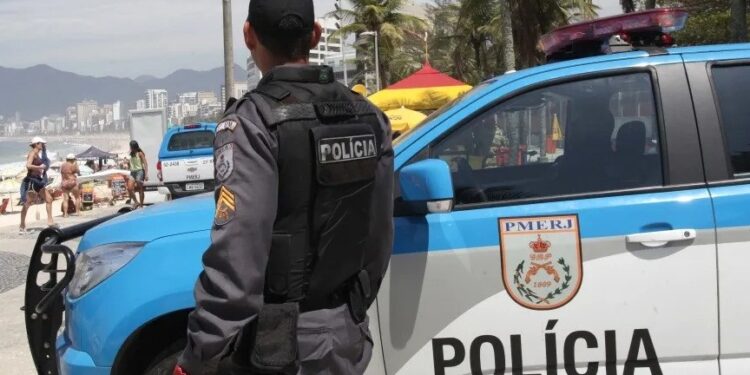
(403, 119)
(427, 89)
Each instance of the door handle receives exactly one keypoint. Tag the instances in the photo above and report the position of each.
(661, 238)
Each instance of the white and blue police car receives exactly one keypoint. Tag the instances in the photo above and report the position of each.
(587, 216)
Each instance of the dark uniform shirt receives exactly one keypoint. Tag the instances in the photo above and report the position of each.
(229, 292)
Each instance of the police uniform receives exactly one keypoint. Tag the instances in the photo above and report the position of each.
(302, 233)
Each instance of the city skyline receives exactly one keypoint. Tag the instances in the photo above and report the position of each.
(139, 37)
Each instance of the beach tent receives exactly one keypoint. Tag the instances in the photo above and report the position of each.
(426, 90)
(403, 119)
(94, 153)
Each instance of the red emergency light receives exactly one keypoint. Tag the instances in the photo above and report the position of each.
(192, 126)
(654, 23)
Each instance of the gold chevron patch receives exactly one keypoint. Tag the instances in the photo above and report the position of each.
(225, 206)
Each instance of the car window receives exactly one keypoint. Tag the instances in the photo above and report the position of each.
(732, 85)
(586, 136)
(191, 141)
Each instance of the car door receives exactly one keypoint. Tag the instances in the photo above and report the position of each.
(581, 240)
(720, 83)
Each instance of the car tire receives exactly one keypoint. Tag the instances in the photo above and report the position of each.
(164, 363)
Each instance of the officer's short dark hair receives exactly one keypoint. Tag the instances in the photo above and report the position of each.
(291, 39)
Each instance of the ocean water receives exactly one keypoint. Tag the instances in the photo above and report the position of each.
(14, 150)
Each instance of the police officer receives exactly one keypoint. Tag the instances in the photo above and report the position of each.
(303, 230)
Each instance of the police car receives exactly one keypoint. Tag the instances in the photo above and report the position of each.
(186, 159)
(588, 216)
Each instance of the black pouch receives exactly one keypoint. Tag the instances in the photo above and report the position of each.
(275, 349)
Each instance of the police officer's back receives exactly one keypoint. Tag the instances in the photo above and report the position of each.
(303, 232)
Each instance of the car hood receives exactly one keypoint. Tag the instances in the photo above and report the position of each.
(184, 215)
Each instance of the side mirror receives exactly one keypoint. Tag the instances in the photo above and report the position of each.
(427, 187)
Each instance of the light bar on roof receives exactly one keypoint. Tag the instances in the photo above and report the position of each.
(663, 20)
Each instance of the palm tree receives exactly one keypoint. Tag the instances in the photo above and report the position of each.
(384, 18)
(473, 40)
(739, 20)
(534, 18)
(506, 20)
(628, 6)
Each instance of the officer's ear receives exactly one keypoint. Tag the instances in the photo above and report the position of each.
(251, 39)
(316, 33)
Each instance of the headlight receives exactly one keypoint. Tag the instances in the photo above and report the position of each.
(95, 265)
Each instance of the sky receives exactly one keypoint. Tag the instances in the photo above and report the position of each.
(131, 37)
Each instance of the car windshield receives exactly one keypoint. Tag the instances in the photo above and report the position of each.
(191, 141)
(466, 97)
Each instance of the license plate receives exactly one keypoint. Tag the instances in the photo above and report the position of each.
(194, 186)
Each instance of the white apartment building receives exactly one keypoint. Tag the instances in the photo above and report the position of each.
(116, 111)
(156, 98)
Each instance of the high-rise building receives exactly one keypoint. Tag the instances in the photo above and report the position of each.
(71, 117)
(116, 111)
(329, 45)
(84, 110)
(188, 98)
(156, 98)
(240, 88)
(206, 97)
(329, 52)
(140, 105)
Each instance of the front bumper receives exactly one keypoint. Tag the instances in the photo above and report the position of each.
(43, 304)
(74, 362)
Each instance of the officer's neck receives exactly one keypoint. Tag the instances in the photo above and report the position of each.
(296, 62)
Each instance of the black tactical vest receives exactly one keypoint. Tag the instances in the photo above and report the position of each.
(329, 144)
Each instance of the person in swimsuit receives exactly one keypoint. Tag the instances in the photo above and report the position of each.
(69, 170)
(138, 172)
(46, 162)
(34, 182)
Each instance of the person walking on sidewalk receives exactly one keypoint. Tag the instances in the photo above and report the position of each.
(138, 174)
(34, 182)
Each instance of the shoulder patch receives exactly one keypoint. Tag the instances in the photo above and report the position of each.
(226, 125)
(224, 161)
(225, 206)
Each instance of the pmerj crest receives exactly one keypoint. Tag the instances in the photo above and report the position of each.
(541, 258)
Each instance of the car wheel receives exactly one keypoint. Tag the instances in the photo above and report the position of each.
(164, 363)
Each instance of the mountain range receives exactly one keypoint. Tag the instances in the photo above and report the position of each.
(43, 90)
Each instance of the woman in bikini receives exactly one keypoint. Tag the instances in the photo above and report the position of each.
(69, 170)
(34, 182)
(138, 174)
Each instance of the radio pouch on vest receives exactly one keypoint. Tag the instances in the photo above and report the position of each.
(275, 349)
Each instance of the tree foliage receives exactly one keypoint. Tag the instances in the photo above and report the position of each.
(468, 38)
(394, 28)
(710, 21)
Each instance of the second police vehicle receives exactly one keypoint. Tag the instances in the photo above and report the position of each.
(587, 216)
(186, 160)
